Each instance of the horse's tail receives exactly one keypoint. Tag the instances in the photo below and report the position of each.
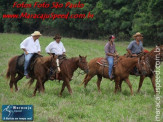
(30, 82)
(8, 73)
(84, 79)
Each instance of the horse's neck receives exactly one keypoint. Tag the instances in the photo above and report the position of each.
(46, 60)
(73, 64)
(129, 63)
(151, 58)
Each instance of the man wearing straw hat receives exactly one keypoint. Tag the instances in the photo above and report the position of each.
(136, 46)
(30, 46)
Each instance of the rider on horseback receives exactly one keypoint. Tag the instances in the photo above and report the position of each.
(30, 46)
(135, 48)
(110, 52)
(56, 47)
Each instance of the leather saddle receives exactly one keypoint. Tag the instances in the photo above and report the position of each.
(104, 62)
(21, 61)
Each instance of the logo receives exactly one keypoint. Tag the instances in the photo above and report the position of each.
(17, 112)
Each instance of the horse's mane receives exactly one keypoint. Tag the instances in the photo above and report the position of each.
(73, 58)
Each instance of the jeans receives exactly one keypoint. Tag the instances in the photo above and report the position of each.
(110, 62)
(26, 63)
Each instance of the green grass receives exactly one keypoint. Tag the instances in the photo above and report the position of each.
(84, 104)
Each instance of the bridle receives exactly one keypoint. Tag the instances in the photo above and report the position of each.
(52, 68)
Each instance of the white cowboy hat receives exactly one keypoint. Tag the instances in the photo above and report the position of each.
(36, 33)
(137, 34)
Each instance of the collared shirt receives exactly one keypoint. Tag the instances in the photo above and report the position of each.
(56, 48)
(135, 48)
(109, 48)
(30, 45)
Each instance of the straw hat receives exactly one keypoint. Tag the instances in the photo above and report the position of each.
(137, 34)
(57, 36)
(36, 33)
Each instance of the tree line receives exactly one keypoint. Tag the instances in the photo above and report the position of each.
(121, 18)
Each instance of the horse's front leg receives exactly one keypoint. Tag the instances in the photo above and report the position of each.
(129, 84)
(153, 82)
(36, 87)
(68, 85)
(140, 83)
(63, 87)
(116, 85)
(40, 83)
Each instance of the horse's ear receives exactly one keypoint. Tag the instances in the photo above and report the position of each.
(79, 56)
(86, 56)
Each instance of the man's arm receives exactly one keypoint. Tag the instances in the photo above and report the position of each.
(23, 45)
(25, 51)
(47, 49)
(39, 48)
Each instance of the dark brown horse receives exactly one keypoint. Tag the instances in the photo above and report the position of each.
(41, 68)
(68, 67)
(121, 72)
(148, 65)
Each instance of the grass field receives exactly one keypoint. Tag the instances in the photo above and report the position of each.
(84, 104)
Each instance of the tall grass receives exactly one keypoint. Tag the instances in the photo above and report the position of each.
(84, 104)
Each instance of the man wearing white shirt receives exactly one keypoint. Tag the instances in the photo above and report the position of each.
(56, 47)
(30, 46)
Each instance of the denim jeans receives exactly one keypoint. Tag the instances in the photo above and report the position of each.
(110, 62)
(26, 63)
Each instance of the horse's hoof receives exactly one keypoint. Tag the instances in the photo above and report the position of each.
(16, 90)
(11, 89)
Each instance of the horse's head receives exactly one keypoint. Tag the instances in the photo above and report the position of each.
(54, 63)
(143, 65)
(83, 65)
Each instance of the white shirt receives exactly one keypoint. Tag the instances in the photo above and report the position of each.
(56, 48)
(30, 45)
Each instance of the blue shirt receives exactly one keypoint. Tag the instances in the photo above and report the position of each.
(135, 48)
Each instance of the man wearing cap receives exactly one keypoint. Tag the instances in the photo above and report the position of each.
(136, 46)
(30, 46)
(56, 47)
(110, 53)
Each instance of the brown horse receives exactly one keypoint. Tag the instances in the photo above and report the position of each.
(41, 67)
(148, 65)
(121, 72)
(68, 66)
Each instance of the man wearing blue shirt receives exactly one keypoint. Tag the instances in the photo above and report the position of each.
(136, 46)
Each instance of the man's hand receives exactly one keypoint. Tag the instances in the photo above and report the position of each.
(134, 55)
(117, 54)
(26, 52)
(39, 52)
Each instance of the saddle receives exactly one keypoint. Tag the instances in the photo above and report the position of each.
(104, 62)
(21, 60)
(61, 58)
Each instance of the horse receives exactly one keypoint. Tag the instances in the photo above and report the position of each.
(148, 66)
(40, 70)
(121, 71)
(68, 67)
